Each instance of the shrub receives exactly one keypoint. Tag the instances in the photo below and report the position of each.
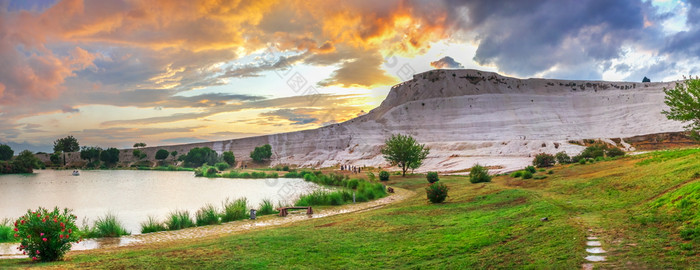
(594, 151)
(266, 207)
(550, 172)
(234, 210)
(107, 226)
(44, 235)
(285, 168)
(432, 177)
(222, 166)
(229, 158)
(207, 215)
(436, 192)
(527, 175)
(582, 161)
(196, 157)
(538, 177)
(562, 158)
(152, 225)
(261, 152)
(543, 160)
(384, 176)
(211, 172)
(479, 174)
(352, 183)
(291, 175)
(179, 220)
(7, 233)
(371, 177)
(614, 152)
(162, 154)
(516, 174)
(530, 169)
(6, 152)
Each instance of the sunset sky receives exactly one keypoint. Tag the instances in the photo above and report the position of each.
(112, 73)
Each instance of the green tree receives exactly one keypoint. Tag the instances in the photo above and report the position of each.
(684, 104)
(90, 153)
(139, 154)
(55, 159)
(162, 154)
(229, 158)
(67, 144)
(173, 153)
(543, 160)
(403, 150)
(261, 152)
(479, 174)
(139, 145)
(199, 156)
(26, 162)
(6, 152)
(110, 156)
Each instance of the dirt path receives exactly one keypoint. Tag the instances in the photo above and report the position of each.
(214, 231)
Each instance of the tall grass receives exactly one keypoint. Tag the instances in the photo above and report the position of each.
(207, 215)
(152, 225)
(235, 174)
(107, 226)
(365, 191)
(6, 233)
(179, 220)
(266, 207)
(234, 210)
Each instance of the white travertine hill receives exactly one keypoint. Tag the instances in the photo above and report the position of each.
(470, 116)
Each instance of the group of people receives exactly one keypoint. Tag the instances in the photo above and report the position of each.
(353, 169)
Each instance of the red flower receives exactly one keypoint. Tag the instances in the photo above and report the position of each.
(38, 215)
(60, 236)
(70, 230)
(56, 220)
(17, 230)
(16, 235)
(24, 253)
(38, 252)
(22, 221)
(34, 258)
(45, 239)
(29, 236)
(41, 234)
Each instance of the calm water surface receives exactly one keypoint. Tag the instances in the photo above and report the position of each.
(134, 195)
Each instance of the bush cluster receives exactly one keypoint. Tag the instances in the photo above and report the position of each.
(436, 192)
(543, 160)
(479, 174)
(384, 176)
(432, 177)
(46, 235)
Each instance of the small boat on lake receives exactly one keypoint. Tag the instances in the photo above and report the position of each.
(76, 173)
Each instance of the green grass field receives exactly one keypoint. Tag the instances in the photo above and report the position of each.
(643, 208)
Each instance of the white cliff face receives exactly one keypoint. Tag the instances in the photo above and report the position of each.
(470, 116)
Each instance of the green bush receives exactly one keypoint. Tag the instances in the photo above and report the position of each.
(432, 177)
(7, 234)
(436, 192)
(352, 183)
(516, 174)
(261, 152)
(479, 174)
(384, 176)
(562, 158)
(222, 166)
(530, 169)
(107, 226)
(550, 172)
(291, 175)
(44, 235)
(152, 225)
(207, 215)
(162, 154)
(179, 220)
(582, 161)
(266, 208)
(614, 152)
(527, 175)
(285, 168)
(234, 210)
(229, 158)
(543, 160)
(538, 177)
(197, 157)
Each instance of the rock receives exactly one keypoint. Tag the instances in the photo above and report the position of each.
(544, 219)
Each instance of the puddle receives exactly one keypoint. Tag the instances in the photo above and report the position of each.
(593, 243)
(592, 238)
(595, 258)
(595, 250)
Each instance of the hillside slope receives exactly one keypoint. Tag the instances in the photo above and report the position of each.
(470, 116)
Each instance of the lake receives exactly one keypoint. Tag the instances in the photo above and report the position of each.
(134, 195)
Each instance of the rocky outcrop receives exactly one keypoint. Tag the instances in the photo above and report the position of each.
(471, 116)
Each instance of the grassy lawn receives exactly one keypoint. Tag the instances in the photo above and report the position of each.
(643, 208)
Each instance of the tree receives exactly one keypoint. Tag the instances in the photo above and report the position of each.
(139, 154)
(684, 104)
(229, 158)
(162, 154)
(403, 150)
(562, 158)
(139, 144)
(55, 159)
(67, 144)
(26, 162)
(479, 174)
(261, 152)
(199, 156)
(173, 153)
(110, 156)
(543, 160)
(646, 79)
(91, 152)
(6, 152)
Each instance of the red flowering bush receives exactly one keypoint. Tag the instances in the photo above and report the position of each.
(44, 235)
(436, 192)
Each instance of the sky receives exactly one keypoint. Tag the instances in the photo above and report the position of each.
(113, 73)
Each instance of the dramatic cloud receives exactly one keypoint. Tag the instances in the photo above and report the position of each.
(446, 62)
